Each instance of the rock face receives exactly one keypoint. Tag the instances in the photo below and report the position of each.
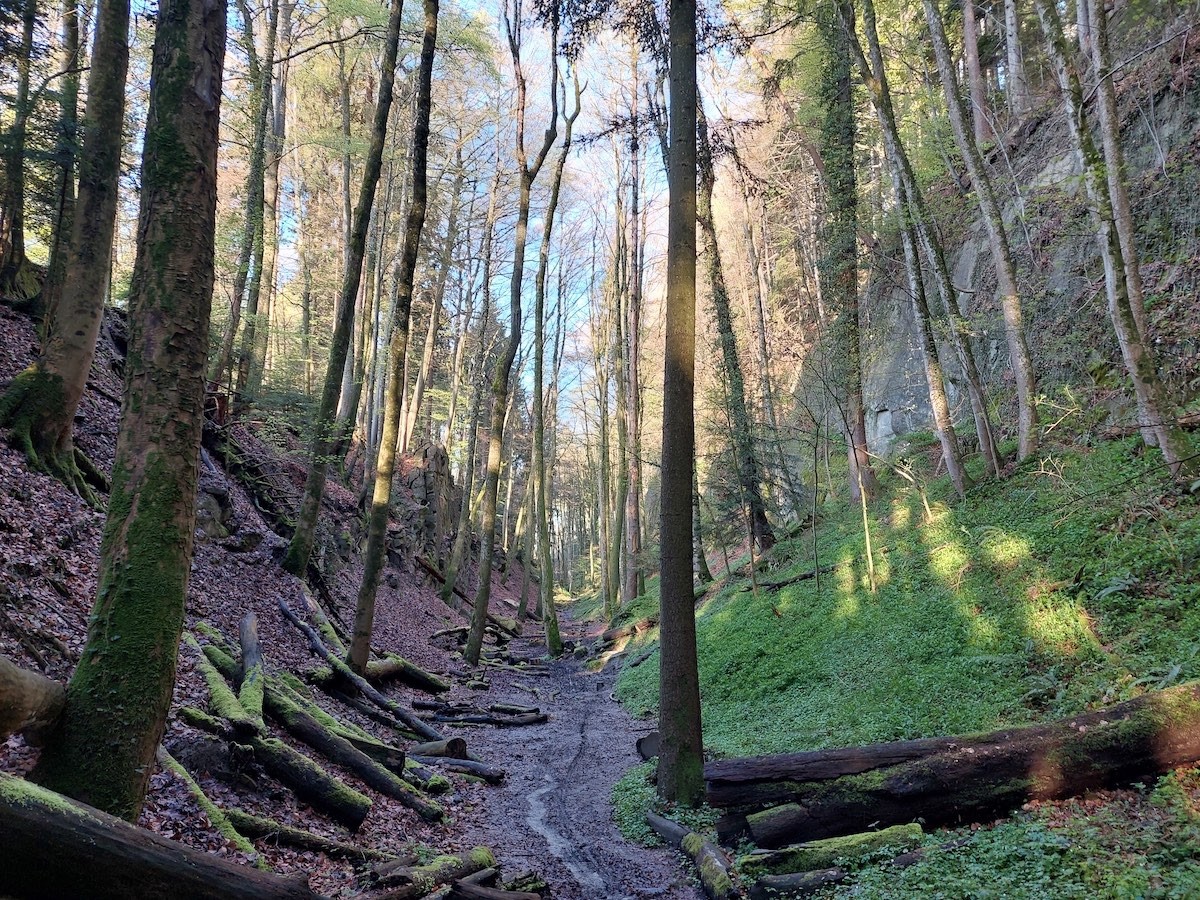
(425, 504)
(1060, 275)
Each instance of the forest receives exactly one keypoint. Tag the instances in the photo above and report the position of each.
(593, 449)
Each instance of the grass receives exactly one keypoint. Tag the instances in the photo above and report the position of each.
(1066, 586)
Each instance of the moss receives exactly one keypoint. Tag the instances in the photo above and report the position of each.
(824, 854)
(222, 700)
(215, 814)
(120, 693)
(19, 792)
(250, 694)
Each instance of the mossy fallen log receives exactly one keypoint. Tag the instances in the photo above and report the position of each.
(411, 882)
(29, 701)
(363, 686)
(995, 773)
(453, 748)
(259, 828)
(490, 774)
(250, 689)
(709, 861)
(54, 847)
(464, 890)
(397, 667)
(307, 780)
(216, 815)
(825, 853)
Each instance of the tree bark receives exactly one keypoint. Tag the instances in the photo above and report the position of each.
(40, 406)
(978, 93)
(681, 756)
(104, 749)
(374, 557)
(30, 703)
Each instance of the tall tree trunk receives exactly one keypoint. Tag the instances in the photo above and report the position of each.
(839, 268)
(1002, 258)
(68, 138)
(500, 387)
(41, 403)
(373, 558)
(16, 279)
(749, 471)
(978, 91)
(542, 502)
(875, 77)
(325, 432)
(1017, 87)
(635, 575)
(104, 749)
(1154, 409)
(681, 754)
(616, 356)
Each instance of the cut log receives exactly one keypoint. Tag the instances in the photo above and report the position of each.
(411, 882)
(648, 745)
(308, 781)
(372, 712)
(492, 719)
(364, 687)
(639, 627)
(453, 748)
(774, 887)
(998, 772)
(258, 828)
(250, 677)
(709, 861)
(762, 780)
(216, 815)
(490, 774)
(30, 703)
(399, 668)
(54, 847)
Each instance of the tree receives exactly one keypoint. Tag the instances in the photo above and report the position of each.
(527, 172)
(103, 749)
(373, 558)
(16, 277)
(40, 405)
(681, 754)
(1100, 171)
(839, 268)
(1002, 257)
(325, 434)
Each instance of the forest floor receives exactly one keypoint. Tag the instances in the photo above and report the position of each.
(552, 815)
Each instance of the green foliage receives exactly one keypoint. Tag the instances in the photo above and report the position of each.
(1064, 587)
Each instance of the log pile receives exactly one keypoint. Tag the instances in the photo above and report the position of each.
(945, 781)
(501, 715)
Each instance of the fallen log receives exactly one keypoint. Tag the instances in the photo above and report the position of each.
(761, 780)
(500, 721)
(250, 676)
(814, 855)
(709, 861)
(998, 772)
(411, 882)
(774, 887)
(55, 847)
(454, 748)
(216, 815)
(639, 627)
(399, 668)
(258, 828)
(30, 703)
(308, 781)
(490, 774)
(364, 687)
(507, 626)
(372, 712)
(648, 745)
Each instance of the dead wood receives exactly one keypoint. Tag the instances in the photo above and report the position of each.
(30, 703)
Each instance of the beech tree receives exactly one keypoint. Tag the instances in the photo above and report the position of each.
(103, 749)
(39, 407)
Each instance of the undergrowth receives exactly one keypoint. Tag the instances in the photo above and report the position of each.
(1066, 586)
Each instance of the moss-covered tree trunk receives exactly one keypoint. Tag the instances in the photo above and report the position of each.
(373, 559)
(325, 432)
(839, 267)
(749, 470)
(16, 279)
(681, 756)
(500, 388)
(117, 701)
(40, 406)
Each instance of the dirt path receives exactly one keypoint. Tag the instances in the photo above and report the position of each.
(554, 813)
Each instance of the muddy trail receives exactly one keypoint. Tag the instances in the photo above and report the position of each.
(554, 811)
